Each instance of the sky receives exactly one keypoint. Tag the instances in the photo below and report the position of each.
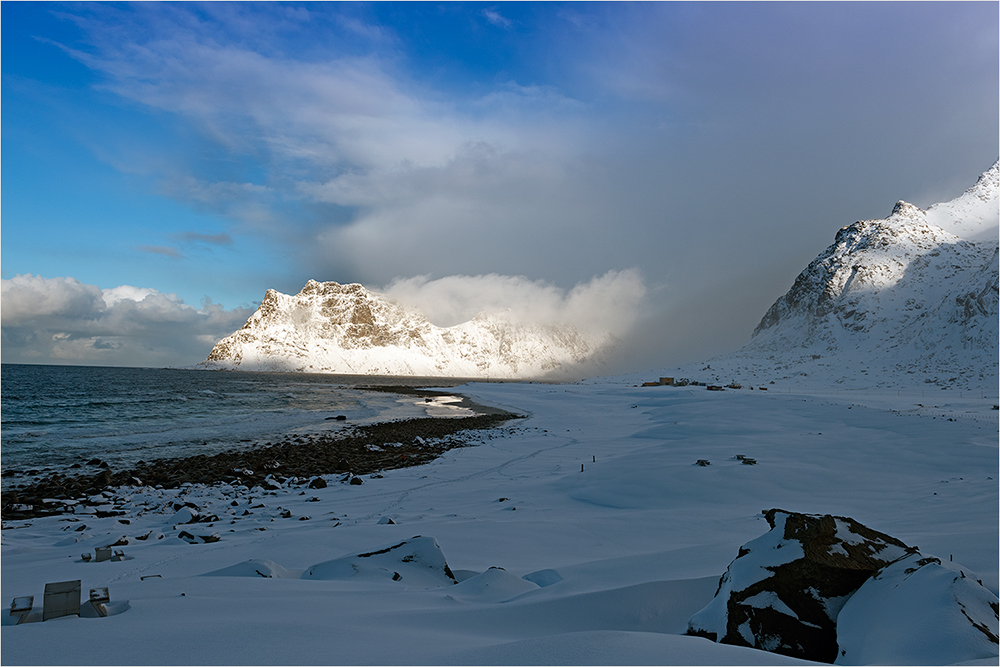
(164, 164)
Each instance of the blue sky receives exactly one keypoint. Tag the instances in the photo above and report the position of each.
(203, 153)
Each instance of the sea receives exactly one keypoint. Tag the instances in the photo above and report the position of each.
(54, 416)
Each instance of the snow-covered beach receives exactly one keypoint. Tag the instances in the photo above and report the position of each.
(413, 333)
(609, 535)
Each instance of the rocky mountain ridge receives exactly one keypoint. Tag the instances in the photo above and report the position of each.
(892, 301)
(332, 328)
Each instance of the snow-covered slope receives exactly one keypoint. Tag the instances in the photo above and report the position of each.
(975, 216)
(333, 328)
(896, 301)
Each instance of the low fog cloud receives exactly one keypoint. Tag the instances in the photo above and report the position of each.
(53, 320)
(608, 303)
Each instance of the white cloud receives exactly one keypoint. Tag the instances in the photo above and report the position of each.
(496, 18)
(62, 319)
(607, 303)
(345, 111)
(127, 293)
(28, 298)
(316, 122)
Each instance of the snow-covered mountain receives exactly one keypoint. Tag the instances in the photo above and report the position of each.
(905, 300)
(332, 328)
(974, 215)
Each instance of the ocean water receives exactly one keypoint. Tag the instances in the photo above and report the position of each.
(55, 416)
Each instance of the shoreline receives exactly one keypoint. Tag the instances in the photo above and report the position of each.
(464, 402)
(358, 450)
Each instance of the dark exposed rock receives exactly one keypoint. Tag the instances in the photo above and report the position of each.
(198, 539)
(784, 590)
(317, 483)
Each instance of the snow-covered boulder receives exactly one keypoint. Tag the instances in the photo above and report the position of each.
(184, 515)
(417, 561)
(494, 585)
(784, 590)
(919, 611)
(256, 567)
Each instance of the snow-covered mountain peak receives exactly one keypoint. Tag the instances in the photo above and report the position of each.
(975, 214)
(898, 300)
(867, 256)
(332, 328)
(904, 232)
(905, 209)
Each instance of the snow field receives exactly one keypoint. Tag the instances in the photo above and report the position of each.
(600, 566)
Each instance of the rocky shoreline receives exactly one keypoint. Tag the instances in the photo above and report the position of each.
(358, 450)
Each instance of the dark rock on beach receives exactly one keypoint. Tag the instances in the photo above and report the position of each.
(784, 590)
(827, 588)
